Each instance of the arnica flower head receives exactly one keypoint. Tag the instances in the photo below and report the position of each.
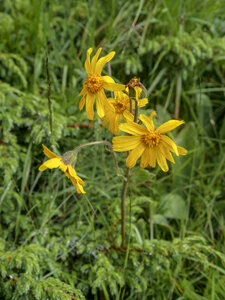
(95, 84)
(148, 142)
(65, 164)
(120, 108)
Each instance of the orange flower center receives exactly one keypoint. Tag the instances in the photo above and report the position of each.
(151, 138)
(94, 83)
(120, 106)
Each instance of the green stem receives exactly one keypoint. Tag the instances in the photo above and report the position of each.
(125, 186)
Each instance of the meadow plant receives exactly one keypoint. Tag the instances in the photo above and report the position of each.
(144, 139)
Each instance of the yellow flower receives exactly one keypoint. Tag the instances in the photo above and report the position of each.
(95, 84)
(120, 107)
(148, 142)
(65, 164)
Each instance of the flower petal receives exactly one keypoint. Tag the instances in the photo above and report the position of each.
(170, 144)
(125, 143)
(144, 158)
(148, 121)
(90, 105)
(94, 59)
(101, 101)
(152, 156)
(108, 79)
(102, 61)
(169, 125)
(143, 102)
(87, 63)
(50, 164)
(181, 150)
(134, 155)
(49, 153)
(113, 86)
(133, 128)
(82, 102)
(162, 161)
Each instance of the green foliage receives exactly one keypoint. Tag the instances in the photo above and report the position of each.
(56, 244)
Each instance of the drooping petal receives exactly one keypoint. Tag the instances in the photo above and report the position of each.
(62, 166)
(134, 155)
(94, 59)
(50, 164)
(133, 128)
(87, 63)
(49, 153)
(166, 152)
(168, 126)
(125, 143)
(145, 158)
(162, 161)
(152, 156)
(102, 61)
(72, 172)
(82, 102)
(148, 121)
(100, 103)
(170, 144)
(181, 150)
(90, 105)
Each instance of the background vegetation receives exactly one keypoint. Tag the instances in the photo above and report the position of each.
(56, 244)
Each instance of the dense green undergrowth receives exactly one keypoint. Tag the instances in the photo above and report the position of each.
(56, 244)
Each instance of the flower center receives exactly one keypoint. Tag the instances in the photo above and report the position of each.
(120, 106)
(151, 138)
(94, 83)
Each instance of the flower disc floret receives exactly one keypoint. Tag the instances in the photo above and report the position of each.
(94, 83)
(151, 138)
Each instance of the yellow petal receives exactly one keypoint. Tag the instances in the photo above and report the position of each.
(134, 155)
(148, 121)
(102, 61)
(49, 153)
(181, 150)
(72, 172)
(125, 143)
(87, 63)
(142, 102)
(50, 164)
(90, 105)
(152, 156)
(108, 79)
(170, 144)
(94, 59)
(100, 103)
(166, 152)
(138, 91)
(168, 126)
(144, 158)
(113, 86)
(133, 128)
(62, 166)
(162, 161)
(82, 102)
(128, 117)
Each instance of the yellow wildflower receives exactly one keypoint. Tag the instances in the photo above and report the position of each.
(65, 164)
(120, 107)
(148, 142)
(95, 84)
